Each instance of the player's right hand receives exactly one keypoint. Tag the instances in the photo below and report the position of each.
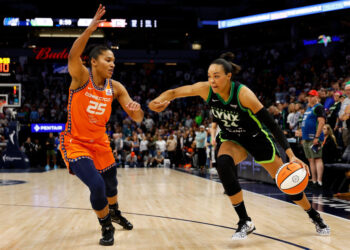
(97, 18)
(133, 106)
(297, 160)
(158, 106)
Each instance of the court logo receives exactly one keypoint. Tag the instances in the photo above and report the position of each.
(10, 158)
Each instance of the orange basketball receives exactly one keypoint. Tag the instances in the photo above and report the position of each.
(292, 178)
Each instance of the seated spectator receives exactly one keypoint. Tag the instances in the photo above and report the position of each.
(50, 151)
(161, 145)
(144, 149)
(131, 160)
(189, 153)
(291, 121)
(149, 123)
(188, 121)
(333, 111)
(158, 160)
(329, 146)
(171, 148)
(147, 160)
(118, 148)
(127, 145)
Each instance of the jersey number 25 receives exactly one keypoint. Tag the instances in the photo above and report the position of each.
(96, 108)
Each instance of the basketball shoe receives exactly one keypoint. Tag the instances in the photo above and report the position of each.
(107, 231)
(245, 227)
(107, 235)
(119, 219)
(321, 227)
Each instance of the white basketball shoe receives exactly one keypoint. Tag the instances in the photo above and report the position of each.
(245, 227)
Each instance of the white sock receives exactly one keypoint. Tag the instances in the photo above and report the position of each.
(320, 182)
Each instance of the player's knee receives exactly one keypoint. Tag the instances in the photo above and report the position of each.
(296, 197)
(98, 202)
(227, 173)
(111, 182)
(98, 193)
(111, 188)
(97, 185)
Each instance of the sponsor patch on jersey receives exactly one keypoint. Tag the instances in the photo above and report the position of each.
(108, 91)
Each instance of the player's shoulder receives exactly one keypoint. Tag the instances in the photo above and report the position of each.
(203, 84)
(202, 89)
(243, 90)
(115, 82)
(118, 86)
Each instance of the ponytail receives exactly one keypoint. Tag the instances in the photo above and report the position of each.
(229, 56)
(225, 61)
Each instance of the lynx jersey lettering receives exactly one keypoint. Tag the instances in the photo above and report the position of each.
(240, 125)
(230, 115)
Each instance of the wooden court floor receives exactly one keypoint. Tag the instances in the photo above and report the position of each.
(169, 210)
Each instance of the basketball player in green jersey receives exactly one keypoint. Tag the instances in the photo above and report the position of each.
(240, 116)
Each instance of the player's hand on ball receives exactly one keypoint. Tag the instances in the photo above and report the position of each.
(296, 159)
(158, 106)
(133, 106)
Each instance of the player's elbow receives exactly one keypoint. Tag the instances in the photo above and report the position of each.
(72, 57)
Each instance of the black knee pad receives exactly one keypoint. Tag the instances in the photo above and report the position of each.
(296, 197)
(85, 170)
(110, 178)
(98, 194)
(227, 172)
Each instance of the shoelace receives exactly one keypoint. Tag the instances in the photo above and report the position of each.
(319, 221)
(240, 226)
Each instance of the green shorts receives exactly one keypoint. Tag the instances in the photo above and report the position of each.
(50, 152)
(309, 153)
(261, 145)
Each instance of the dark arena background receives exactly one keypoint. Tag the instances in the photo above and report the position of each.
(284, 48)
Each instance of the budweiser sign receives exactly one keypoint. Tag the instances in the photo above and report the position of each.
(47, 53)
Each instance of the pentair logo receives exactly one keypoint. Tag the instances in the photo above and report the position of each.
(36, 128)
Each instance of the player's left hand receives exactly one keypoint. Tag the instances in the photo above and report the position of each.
(97, 18)
(133, 106)
(158, 106)
(296, 159)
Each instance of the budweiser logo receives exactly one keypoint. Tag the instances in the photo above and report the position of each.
(47, 53)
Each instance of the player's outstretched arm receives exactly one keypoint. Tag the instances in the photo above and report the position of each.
(163, 100)
(132, 108)
(249, 100)
(77, 70)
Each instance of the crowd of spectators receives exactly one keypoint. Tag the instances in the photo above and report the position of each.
(180, 136)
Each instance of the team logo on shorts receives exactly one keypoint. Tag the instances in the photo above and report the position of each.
(108, 92)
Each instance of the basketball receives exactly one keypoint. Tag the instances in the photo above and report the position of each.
(292, 178)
